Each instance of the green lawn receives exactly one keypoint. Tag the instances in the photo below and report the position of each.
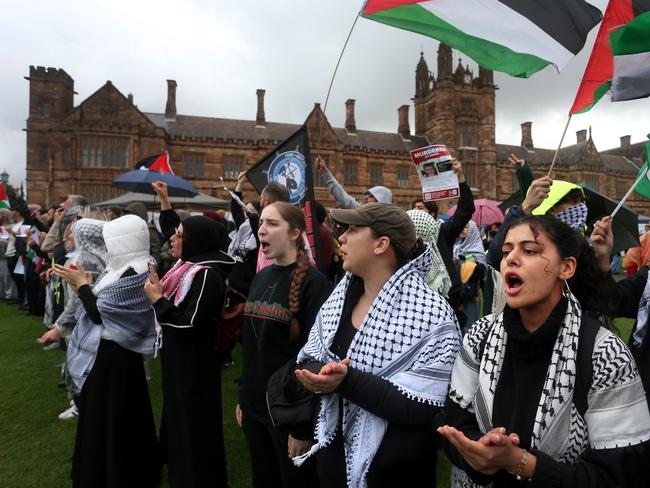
(35, 447)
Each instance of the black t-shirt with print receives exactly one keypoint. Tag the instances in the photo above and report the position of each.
(265, 331)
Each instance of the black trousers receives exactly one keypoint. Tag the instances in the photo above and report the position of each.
(271, 466)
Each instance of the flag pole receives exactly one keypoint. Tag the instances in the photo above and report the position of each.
(341, 55)
(233, 196)
(559, 145)
(629, 192)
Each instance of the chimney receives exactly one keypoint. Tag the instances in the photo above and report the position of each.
(260, 119)
(170, 108)
(527, 135)
(130, 97)
(625, 142)
(581, 136)
(403, 117)
(350, 124)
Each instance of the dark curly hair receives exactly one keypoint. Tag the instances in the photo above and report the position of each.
(586, 283)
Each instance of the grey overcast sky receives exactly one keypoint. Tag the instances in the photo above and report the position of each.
(220, 52)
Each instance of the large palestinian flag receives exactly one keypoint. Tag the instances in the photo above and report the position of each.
(631, 50)
(598, 75)
(518, 37)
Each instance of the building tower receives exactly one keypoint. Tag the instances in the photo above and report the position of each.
(458, 110)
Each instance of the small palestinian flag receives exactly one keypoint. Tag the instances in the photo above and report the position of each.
(631, 50)
(159, 162)
(597, 79)
(4, 199)
(643, 186)
(518, 37)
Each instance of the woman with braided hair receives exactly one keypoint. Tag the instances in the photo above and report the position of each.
(282, 304)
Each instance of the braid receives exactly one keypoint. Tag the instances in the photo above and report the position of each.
(297, 278)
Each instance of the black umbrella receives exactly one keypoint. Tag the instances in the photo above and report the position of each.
(140, 181)
(625, 223)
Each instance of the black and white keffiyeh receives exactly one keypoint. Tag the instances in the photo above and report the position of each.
(471, 245)
(126, 315)
(617, 413)
(242, 240)
(90, 248)
(428, 229)
(575, 217)
(409, 336)
(641, 327)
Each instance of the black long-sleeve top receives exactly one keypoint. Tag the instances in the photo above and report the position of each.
(196, 314)
(515, 404)
(407, 451)
(265, 333)
(629, 293)
(450, 230)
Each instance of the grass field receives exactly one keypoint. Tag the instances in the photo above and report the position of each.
(35, 447)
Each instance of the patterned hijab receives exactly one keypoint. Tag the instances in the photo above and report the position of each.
(69, 216)
(89, 245)
(472, 245)
(427, 228)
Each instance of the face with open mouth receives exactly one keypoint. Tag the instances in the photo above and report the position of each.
(532, 269)
(277, 240)
(357, 246)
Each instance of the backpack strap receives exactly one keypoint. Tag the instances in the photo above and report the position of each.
(584, 366)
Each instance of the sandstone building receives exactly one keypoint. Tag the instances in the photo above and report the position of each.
(82, 148)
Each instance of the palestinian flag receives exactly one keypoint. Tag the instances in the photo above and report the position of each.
(631, 50)
(598, 75)
(518, 37)
(158, 162)
(4, 199)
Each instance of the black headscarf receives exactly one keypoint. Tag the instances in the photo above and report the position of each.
(202, 238)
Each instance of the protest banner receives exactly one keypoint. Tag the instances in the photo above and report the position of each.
(290, 165)
(433, 166)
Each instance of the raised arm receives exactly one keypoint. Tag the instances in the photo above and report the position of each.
(464, 209)
(338, 192)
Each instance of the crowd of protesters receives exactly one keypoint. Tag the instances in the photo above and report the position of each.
(361, 365)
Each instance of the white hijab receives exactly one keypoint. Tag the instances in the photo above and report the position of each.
(127, 246)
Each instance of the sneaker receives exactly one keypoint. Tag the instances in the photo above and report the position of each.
(70, 413)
